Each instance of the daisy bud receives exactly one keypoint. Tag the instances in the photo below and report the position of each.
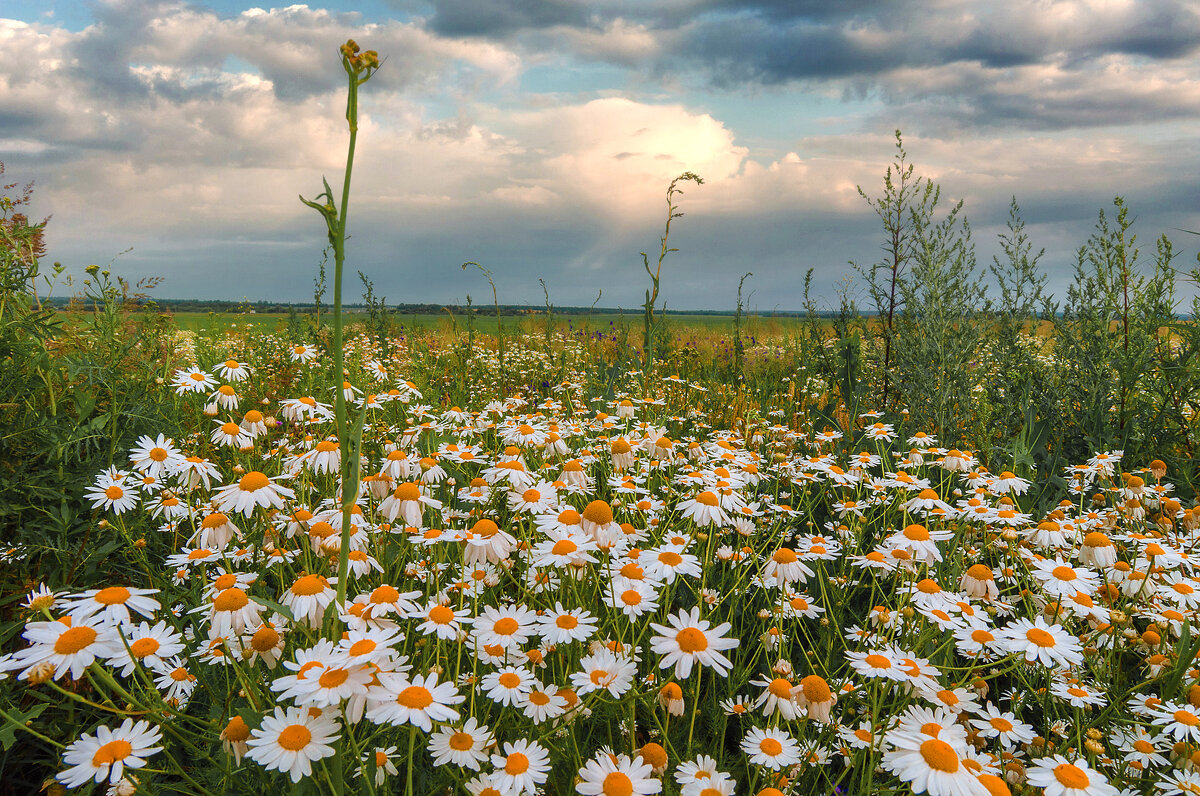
(656, 756)
(40, 673)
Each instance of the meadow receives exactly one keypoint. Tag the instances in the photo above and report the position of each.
(939, 544)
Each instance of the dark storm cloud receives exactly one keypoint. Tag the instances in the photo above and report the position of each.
(503, 17)
(780, 43)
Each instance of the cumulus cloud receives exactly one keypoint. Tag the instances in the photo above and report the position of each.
(187, 134)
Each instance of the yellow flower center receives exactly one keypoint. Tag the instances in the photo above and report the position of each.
(939, 755)
(74, 640)
(253, 481)
(516, 764)
(691, 639)
(112, 752)
(1070, 776)
(294, 737)
(415, 697)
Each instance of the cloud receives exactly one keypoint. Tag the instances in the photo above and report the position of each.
(188, 134)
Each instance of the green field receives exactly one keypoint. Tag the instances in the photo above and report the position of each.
(486, 323)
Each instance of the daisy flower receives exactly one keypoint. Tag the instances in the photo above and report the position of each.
(419, 701)
(231, 612)
(521, 768)
(441, 620)
(604, 670)
(508, 685)
(335, 684)
(1060, 579)
(931, 765)
(542, 703)
(1061, 777)
(464, 747)
(704, 509)
(384, 766)
(632, 597)
(192, 380)
(1004, 726)
(148, 646)
(1077, 695)
(562, 626)
(876, 663)
(771, 748)
(1050, 645)
(308, 597)
(690, 640)
(112, 491)
(231, 435)
(233, 370)
(65, 645)
(112, 604)
(252, 489)
(1179, 721)
(609, 775)
(302, 352)
(109, 752)
(508, 627)
(290, 740)
(668, 562)
(155, 457)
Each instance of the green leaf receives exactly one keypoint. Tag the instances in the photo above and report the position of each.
(274, 606)
(8, 733)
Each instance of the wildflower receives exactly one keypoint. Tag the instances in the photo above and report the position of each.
(931, 764)
(234, 738)
(463, 746)
(815, 697)
(230, 612)
(632, 597)
(541, 703)
(604, 670)
(192, 380)
(419, 701)
(1062, 777)
(509, 627)
(65, 646)
(704, 509)
(980, 582)
(1181, 722)
(876, 663)
(1049, 645)
(109, 752)
(773, 749)
(507, 685)
(148, 646)
(308, 597)
(112, 604)
(1004, 726)
(231, 435)
(155, 457)
(1060, 579)
(562, 626)
(252, 489)
(112, 491)
(521, 768)
(690, 640)
(290, 740)
(609, 775)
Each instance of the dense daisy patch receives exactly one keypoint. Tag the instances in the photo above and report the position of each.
(558, 592)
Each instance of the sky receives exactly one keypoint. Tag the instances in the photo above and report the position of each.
(537, 137)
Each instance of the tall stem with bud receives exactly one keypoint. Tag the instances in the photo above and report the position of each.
(359, 67)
